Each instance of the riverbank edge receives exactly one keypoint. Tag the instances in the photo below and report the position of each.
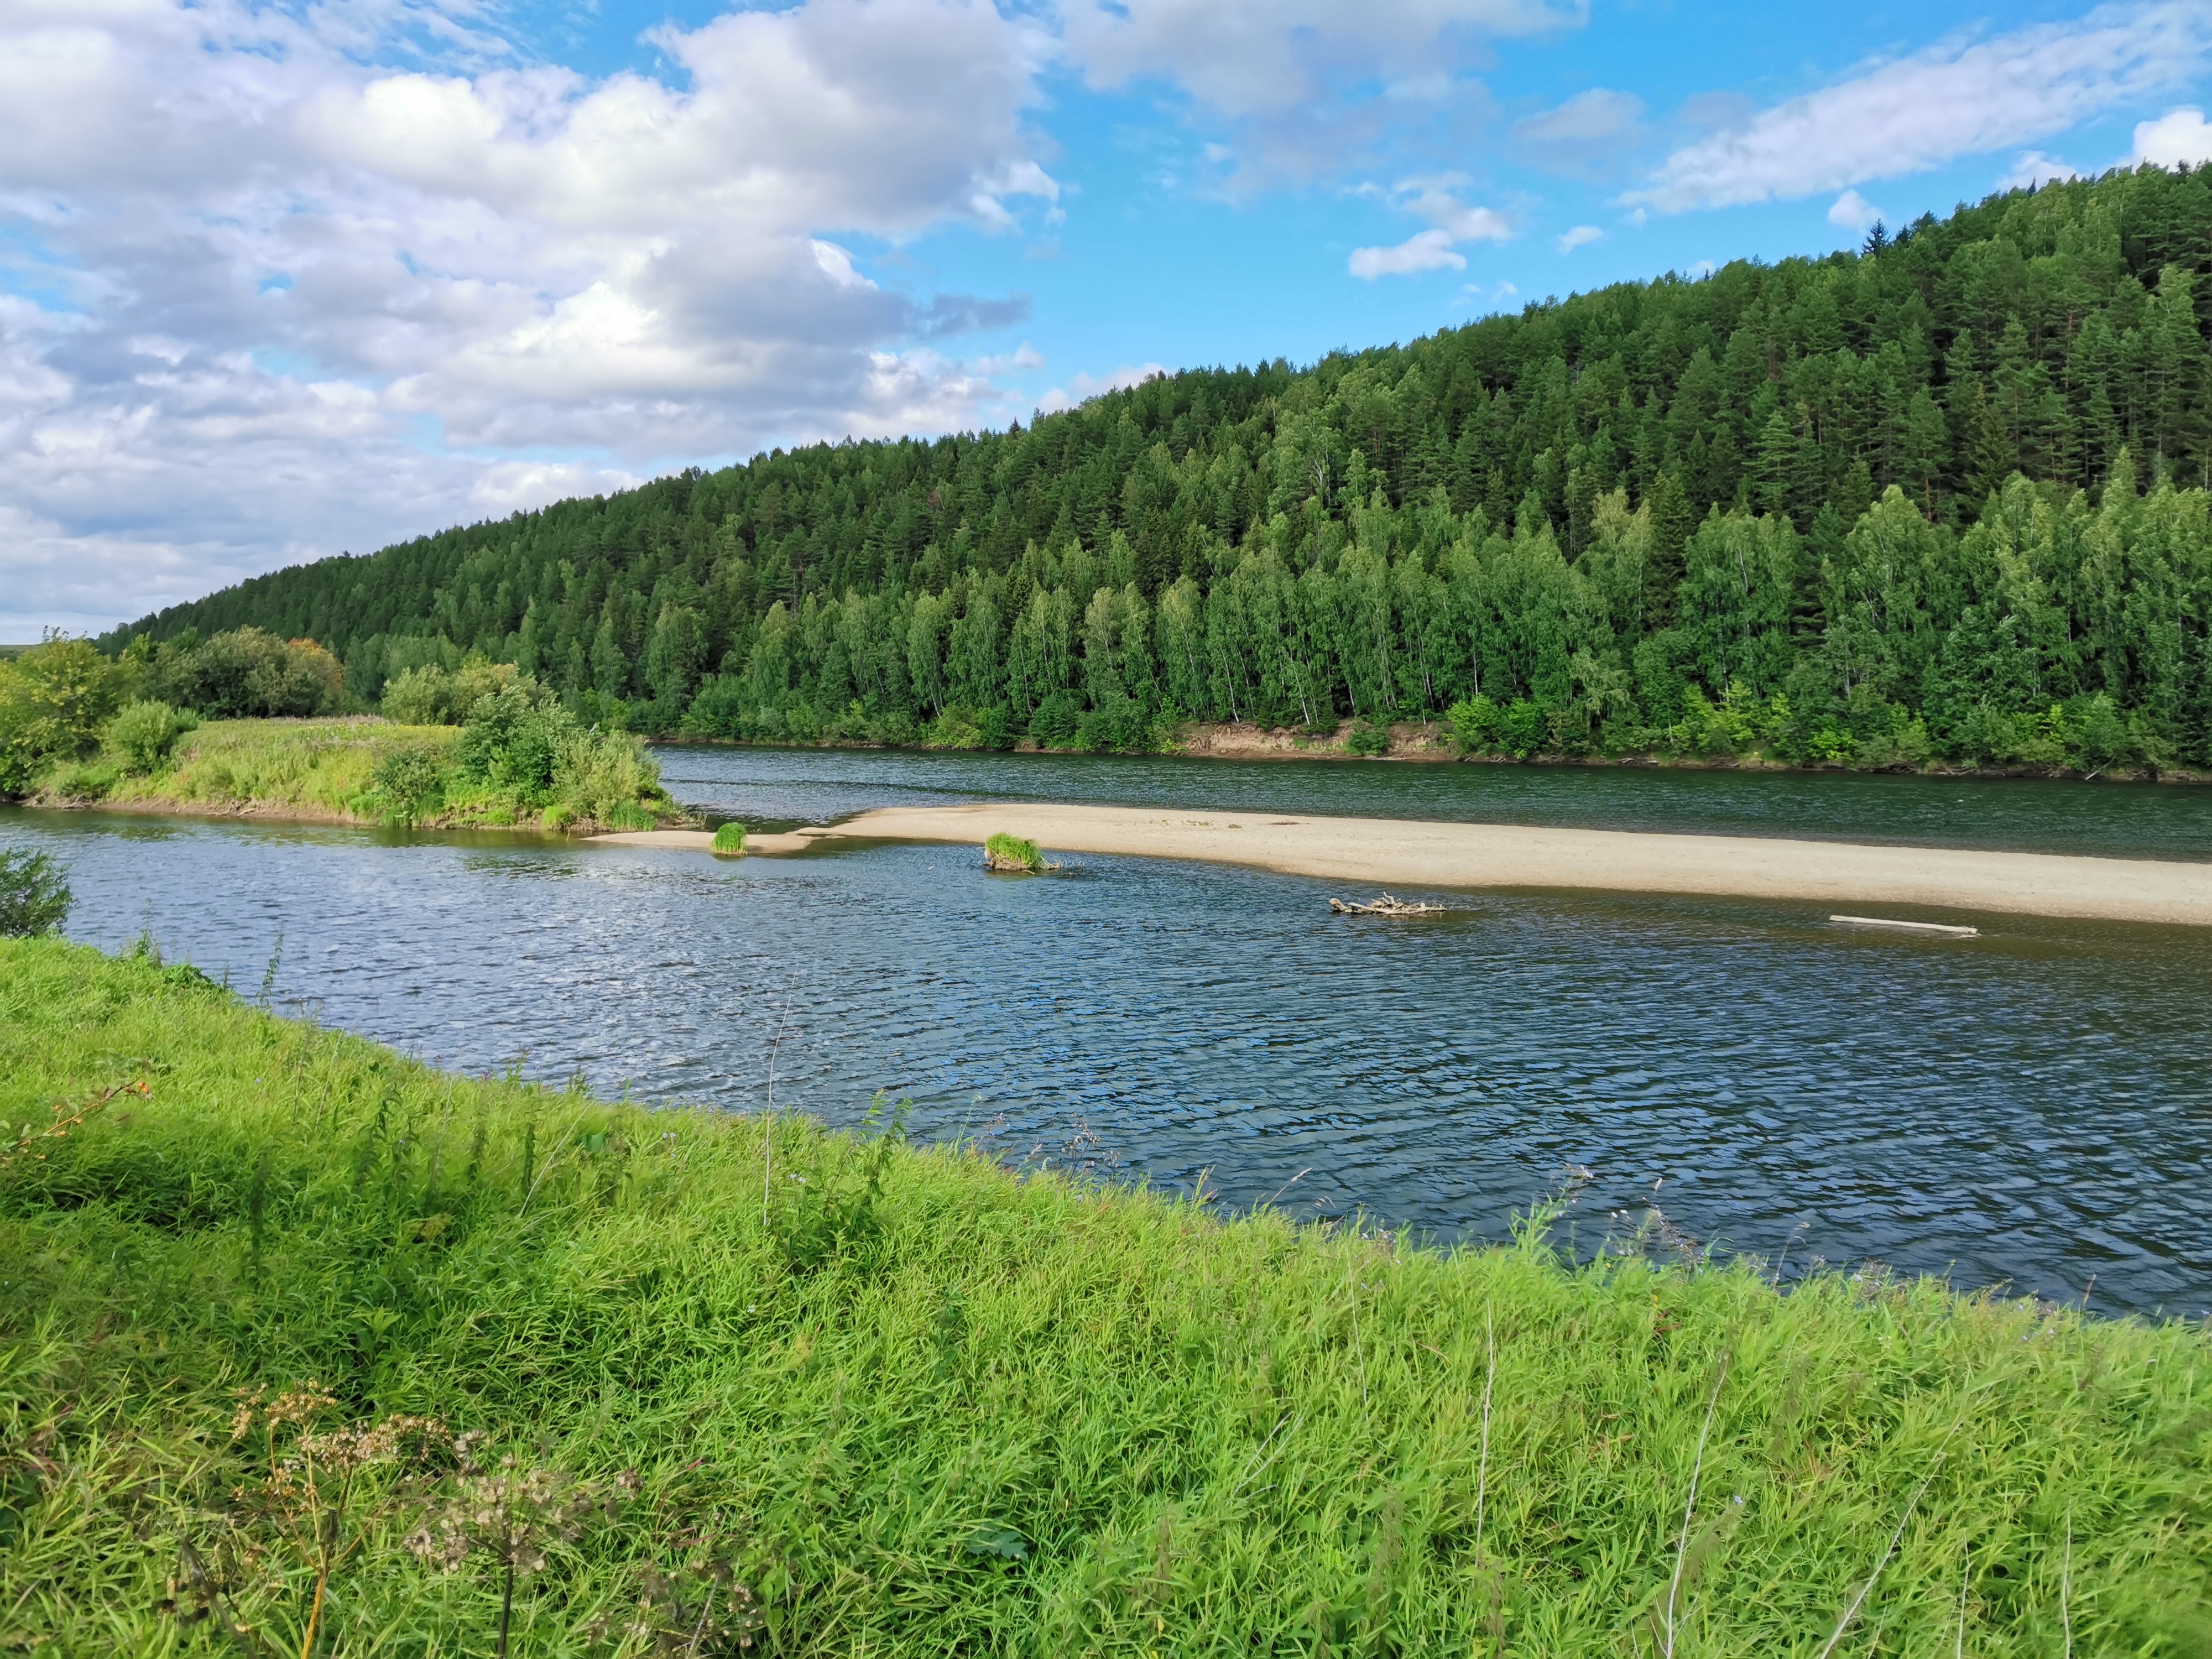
(1422, 744)
(1013, 1310)
(1395, 853)
(298, 749)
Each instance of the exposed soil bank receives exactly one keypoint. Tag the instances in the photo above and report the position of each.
(1396, 852)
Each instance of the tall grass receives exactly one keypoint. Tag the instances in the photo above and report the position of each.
(311, 767)
(914, 1405)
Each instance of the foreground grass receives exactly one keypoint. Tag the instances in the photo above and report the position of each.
(905, 1403)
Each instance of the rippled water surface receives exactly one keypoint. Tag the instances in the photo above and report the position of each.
(2031, 1106)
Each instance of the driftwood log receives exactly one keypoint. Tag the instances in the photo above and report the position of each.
(1383, 905)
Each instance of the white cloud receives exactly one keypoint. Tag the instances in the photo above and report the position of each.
(1307, 89)
(1580, 236)
(2032, 168)
(1451, 221)
(1962, 98)
(1586, 136)
(1471, 294)
(1085, 387)
(295, 299)
(1024, 356)
(1242, 58)
(1702, 268)
(1429, 250)
(2178, 136)
(1852, 211)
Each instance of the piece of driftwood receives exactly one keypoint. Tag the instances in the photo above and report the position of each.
(1909, 926)
(1383, 905)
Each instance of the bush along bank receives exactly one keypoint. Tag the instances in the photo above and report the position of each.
(513, 754)
(300, 1334)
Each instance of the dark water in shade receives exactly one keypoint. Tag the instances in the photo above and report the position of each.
(2032, 1107)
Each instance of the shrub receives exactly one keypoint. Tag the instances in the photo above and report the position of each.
(1368, 738)
(1053, 725)
(429, 695)
(140, 737)
(730, 840)
(1474, 725)
(1004, 851)
(249, 673)
(81, 781)
(513, 737)
(54, 698)
(410, 783)
(955, 728)
(1120, 725)
(34, 894)
(605, 775)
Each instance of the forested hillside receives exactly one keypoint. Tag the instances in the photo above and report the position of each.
(1945, 498)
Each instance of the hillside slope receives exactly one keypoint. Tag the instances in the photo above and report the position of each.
(1767, 508)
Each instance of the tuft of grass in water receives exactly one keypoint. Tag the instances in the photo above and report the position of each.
(1004, 852)
(547, 1373)
(730, 840)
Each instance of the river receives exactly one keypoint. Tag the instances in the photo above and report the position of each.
(2028, 1108)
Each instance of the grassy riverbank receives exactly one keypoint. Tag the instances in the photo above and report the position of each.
(893, 1400)
(899, 1401)
(361, 769)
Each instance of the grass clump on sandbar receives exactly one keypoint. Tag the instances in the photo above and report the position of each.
(298, 1332)
(1011, 852)
(730, 840)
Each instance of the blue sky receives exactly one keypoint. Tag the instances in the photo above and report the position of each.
(280, 279)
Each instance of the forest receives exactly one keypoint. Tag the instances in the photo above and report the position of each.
(1944, 499)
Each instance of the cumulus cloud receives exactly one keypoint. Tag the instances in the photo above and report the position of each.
(1083, 386)
(1429, 250)
(1580, 236)
(1587, 136)
(1306, 88)
(1451, 222)
(283, 290)
(1966, 97)
(2032, 168)
(1244, 58)
(1852, 211)
(2179, 135)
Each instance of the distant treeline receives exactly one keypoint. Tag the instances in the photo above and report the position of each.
(1942, 498)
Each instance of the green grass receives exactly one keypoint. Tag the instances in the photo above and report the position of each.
(328, 770)
(1004, 851)
(309, 768)
(914, 1405)
(730, 839)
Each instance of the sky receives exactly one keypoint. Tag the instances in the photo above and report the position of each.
(284, 280)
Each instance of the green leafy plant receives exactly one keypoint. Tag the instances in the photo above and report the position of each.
(829, 1206)
(1368, 738)
(410, 783)
(730, 839)
(1012, 854)
(142, 734)
(34, 894)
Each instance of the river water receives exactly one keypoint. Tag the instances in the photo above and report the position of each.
(2028, 1108)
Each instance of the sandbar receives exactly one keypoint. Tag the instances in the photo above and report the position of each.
(1393, 853)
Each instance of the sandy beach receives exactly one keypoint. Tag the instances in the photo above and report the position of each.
(1390, 853)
